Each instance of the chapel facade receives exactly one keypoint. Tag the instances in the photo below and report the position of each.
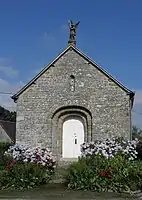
(71, 101)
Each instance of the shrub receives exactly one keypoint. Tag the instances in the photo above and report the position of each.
(24, 154)
(111, 147)
(3, 178)
(139, 149)
(101, 174)
(24, 176)
(26, 167)
(106, 165)
(4, 158)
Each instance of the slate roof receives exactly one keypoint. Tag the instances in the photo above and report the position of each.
(9, 128)
(129, 92)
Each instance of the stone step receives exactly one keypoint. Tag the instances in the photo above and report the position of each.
(59, 175)
(67, 161)
(57, 178)
(61, 170)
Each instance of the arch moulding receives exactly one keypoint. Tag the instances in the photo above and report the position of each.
(60, 116)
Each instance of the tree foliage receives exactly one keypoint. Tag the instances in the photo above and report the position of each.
(136, 132)
(7, 115)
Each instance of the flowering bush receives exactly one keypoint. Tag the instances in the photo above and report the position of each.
(24, 176)
(139, 149)
(24, 154)
(106, 173)
(4, 158)
(10, 164)
(109, 148)
(29, 167)
(106, 165)
(97, 173)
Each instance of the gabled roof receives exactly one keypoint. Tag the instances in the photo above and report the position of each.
(129, 92)
(9, 128)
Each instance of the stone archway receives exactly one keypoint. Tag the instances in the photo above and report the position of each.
(63, 114)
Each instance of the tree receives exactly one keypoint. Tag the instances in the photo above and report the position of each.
(7, 115)
(136, 132)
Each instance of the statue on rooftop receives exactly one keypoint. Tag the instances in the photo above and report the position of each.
(73, 28)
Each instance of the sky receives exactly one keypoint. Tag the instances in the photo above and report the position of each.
(34, 32)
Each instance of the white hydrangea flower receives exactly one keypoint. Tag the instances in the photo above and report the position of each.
(37, 155)
(110, 147)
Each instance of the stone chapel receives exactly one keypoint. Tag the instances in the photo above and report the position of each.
(71, 101)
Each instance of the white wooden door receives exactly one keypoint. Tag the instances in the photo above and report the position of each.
(73, 137)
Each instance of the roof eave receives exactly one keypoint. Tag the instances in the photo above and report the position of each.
(15, 96)
(104, 72)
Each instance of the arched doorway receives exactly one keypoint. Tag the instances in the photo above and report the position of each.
(59, 117)
(73, 137)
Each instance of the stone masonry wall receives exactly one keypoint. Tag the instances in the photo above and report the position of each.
(107, 102)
